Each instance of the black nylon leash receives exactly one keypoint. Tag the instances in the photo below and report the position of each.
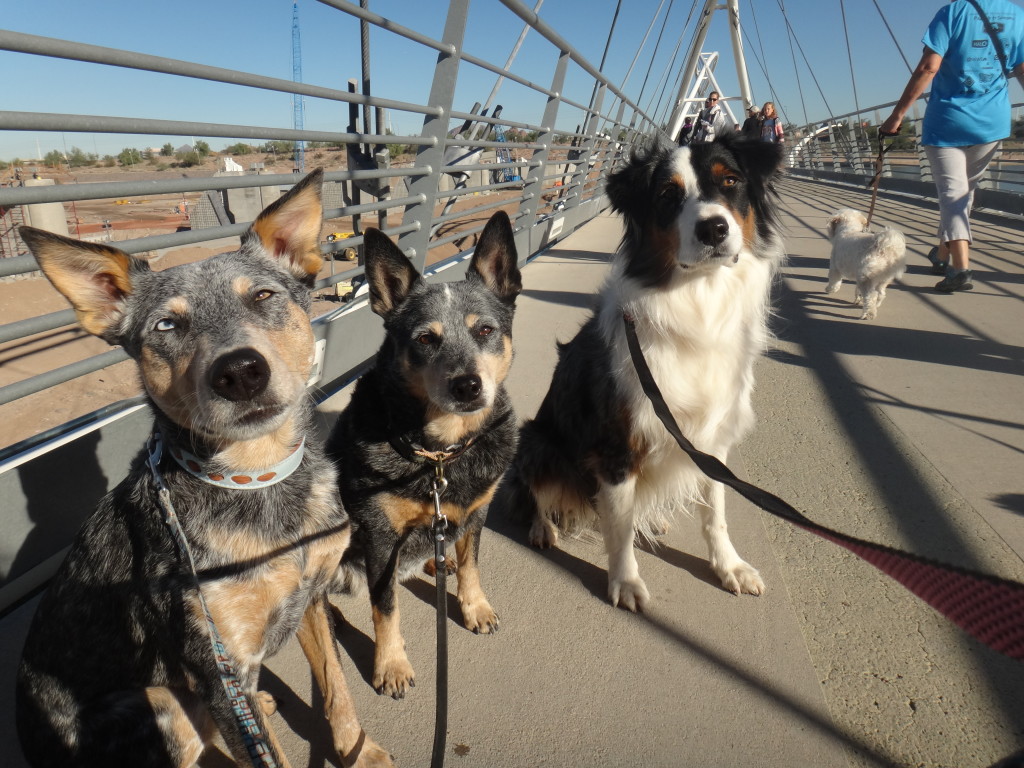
(987, 607)
(438, 527)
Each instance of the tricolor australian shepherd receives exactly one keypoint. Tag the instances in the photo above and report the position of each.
(697, 260)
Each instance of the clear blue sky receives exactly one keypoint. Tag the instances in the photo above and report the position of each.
(255, 36)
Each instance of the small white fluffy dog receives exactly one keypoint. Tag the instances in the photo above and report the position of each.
(871, 260)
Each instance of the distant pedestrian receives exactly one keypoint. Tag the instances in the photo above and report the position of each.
(970, 49)
(752, 125)
(771, 124)
(686, 132)
(711, 120)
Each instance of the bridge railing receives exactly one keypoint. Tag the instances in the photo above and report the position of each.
(564, 136)
(844, 149)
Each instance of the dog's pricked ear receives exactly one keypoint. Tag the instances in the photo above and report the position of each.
(95, 278)
(626, 183)
(495, 261)
(761, 160)
(290, 227)
(832, 224)
(389, 274)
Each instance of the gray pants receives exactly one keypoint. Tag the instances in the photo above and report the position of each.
(957, 172)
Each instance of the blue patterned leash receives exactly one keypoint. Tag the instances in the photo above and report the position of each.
(255, 740)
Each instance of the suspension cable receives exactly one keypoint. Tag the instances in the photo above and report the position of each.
(849, 55)
(760, 60)
(654, 54)
(897, 42)
(642, 44)
(796, 70)
(665, 74)
(764, 71)
(803, 55)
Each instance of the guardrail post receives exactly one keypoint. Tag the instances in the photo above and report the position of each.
(533, 190)
(586, 150)
(442, 94)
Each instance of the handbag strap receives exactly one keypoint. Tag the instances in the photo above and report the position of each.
(1000, 52)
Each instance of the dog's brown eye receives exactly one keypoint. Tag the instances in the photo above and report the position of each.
(425, 339)
(669, 191)
(730, 181)
(484, 330)
(264, 294)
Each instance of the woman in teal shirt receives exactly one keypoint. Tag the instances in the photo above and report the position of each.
(968, 114)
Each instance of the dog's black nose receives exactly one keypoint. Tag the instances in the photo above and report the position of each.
(240, 375)
(466, 388)
(712, 231)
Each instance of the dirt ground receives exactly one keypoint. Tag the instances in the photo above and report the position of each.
(34, 296)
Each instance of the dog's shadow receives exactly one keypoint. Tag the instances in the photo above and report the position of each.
(358, 646)
(504, 521)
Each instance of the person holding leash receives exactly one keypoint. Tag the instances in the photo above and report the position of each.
(971, 48)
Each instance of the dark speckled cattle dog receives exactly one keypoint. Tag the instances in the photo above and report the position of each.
(118, 667)
(436, 386)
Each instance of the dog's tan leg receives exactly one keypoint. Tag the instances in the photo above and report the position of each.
(317, 640)
(184, 721)
(392, 672)
(736, 575)
(477, 614)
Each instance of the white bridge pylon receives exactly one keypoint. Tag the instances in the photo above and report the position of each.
(699, 69)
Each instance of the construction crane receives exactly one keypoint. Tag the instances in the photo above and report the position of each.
(297, 102)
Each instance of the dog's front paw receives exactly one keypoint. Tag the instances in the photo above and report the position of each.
(480, 618)
(832, 287)
(394, 677)
(268, 704)
(543, 533)
(742, 578)
(370, 755)
(629, 593)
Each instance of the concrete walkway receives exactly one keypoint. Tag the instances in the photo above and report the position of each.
(907, 430)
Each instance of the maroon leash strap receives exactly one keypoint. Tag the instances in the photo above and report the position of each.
(987, 607)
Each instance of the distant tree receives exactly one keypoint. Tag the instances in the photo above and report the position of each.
(129, 156)
(77, 158)
(108, 161)
(202, 148)
(167, 150)
(4, 165)
(241, 148)
(285, 148)
(54, 158)
(188, 159)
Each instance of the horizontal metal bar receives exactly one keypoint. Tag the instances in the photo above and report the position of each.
(33, 325)
(386, 203)
(468, 212)
(491, 144)
(57, 376)
(20, 42)
(390, 26)
(456, 115)
(471, 59)
(119, 189)
(482, 188)
(46, 121)
(17, 265)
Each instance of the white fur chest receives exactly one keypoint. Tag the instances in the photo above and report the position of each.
(700, 339)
